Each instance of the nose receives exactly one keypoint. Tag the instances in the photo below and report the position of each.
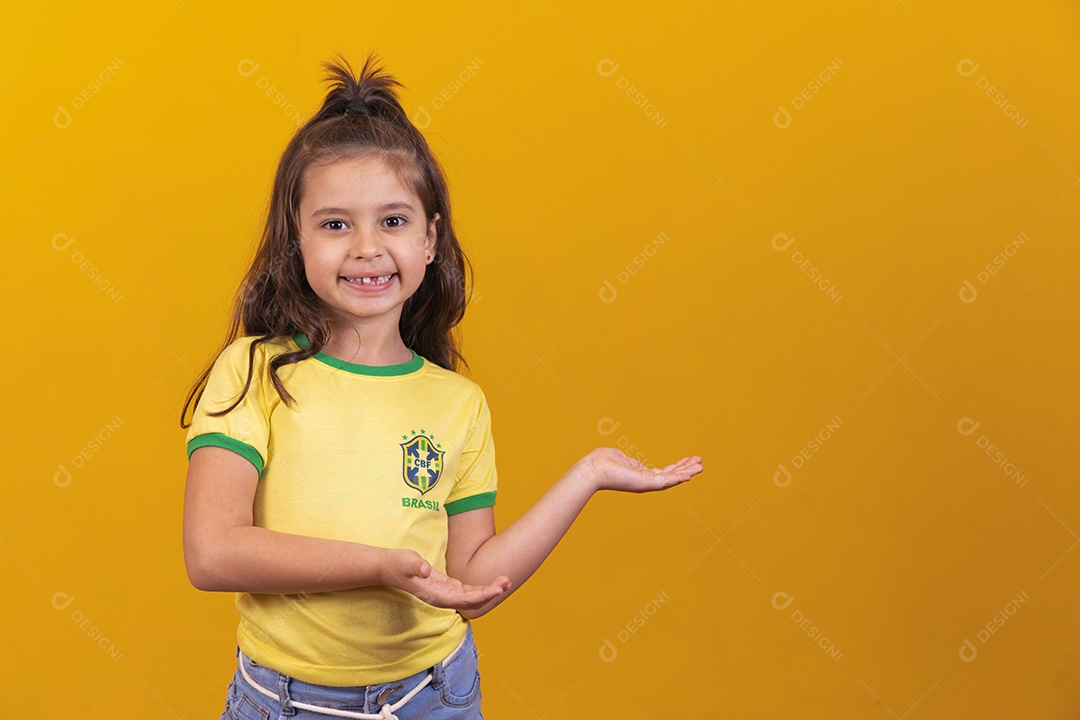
(366, 243)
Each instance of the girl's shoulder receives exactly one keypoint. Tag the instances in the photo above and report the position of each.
(461, 384)
(239, 350)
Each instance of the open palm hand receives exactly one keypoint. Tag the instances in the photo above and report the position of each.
(612, 469)
(408, 571)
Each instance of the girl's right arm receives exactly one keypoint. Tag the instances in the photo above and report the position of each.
(223, 551)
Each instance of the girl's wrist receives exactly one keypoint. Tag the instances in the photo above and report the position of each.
(585, 474)
(385, 573)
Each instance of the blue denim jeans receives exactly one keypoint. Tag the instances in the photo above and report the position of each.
(452, 694)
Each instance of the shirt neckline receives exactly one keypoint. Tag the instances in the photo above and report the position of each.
(409, 366)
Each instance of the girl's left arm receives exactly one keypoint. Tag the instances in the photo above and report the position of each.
(477, 555)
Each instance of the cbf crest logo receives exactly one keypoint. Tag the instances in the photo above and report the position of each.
(421, 461)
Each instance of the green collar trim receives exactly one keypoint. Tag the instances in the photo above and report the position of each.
(404, 368)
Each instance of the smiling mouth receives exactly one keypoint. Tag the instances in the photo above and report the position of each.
(380, 280)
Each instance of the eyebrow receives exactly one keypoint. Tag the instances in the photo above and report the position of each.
(343, 211)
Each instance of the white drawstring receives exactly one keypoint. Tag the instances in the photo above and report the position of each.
(385, 713)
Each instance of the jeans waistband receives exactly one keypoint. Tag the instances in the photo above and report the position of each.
(342, 701)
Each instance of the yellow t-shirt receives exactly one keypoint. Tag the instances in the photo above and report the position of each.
(378, 455)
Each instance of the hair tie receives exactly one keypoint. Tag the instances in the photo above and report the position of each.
(357, 106)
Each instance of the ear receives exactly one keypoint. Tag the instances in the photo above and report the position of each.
(431, 243)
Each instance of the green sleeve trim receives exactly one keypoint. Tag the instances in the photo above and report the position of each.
(470, 503)
(224, 441)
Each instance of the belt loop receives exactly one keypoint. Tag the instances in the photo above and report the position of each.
(283, 693)
(437, 675)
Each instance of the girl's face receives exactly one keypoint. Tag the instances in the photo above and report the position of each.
(364, 240)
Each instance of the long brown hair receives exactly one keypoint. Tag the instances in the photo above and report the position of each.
(360, 116)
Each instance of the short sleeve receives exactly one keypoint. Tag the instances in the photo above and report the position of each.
(476, 482)
(245, 429)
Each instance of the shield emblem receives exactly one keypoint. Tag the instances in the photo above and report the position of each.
(421, 463)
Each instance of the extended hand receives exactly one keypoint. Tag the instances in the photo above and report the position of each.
(406, 570)
(612, 469)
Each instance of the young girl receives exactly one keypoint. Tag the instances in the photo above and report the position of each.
(342, 473)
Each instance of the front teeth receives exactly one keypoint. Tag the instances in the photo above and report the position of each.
(371, 281)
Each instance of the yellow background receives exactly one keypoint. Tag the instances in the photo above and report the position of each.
(898, 538)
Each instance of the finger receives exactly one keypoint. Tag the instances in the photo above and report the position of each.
(673, 478)
(476, 598)
(502, 583)
(688, 464)
(690, 471)
(460, 598)
(673, 466)
(453, 584)
(497, 587)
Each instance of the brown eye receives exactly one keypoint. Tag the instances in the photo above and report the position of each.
(398, 221)
(333, 222)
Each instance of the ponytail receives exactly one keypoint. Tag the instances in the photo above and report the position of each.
(371, 93)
